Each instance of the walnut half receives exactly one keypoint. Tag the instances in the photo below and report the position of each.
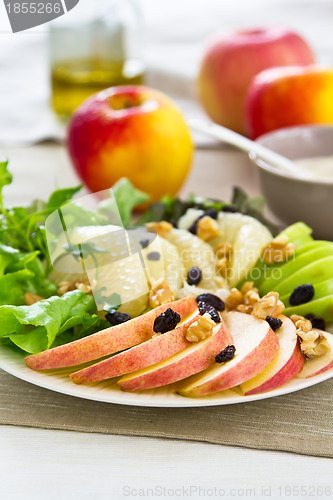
(278, 250)
(312, 342)
(32, 298)
(200, 329)
(161, 293)
(82, 284)
(208, 228)
(269, 305)
(162, 228)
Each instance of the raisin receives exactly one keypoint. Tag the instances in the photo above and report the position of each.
(204, 307)
(144, 243)
(117, 318)
(211, 299)
(212, 212)
(302, 294)
(316, 322)
(166, 321)
(226, 355)
(193, 227)
(274, 323)
(194, 276)
(153, 256)
(230, 208)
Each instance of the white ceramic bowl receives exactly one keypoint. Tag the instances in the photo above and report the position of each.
(290, 199)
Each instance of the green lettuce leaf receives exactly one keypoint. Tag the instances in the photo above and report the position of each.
(34, 328)
(61, 196)
(89, 324)
(127, 198)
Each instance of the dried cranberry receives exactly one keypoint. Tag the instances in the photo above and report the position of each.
(211, 299)
(194, 276)
(212, 212)
(117, 318)
(166, 321)
(302, 294)
(274, 323)
(204, 307)
(226, 355)
(316, 322)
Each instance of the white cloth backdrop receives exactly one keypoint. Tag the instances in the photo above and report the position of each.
(176, 31)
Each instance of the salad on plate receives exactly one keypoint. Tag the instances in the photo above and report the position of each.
(198, 297)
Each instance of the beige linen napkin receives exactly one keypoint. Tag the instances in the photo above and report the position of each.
(300, 422)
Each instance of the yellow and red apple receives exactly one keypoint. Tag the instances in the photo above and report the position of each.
(108, 341)
(233, 58)
(288, 362)
(282, 97)
(134, 132)
(140, 356)
(195, 358)
(256, 346)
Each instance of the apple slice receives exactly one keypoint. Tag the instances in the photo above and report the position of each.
(140, 356)
(256, 347)
(285, 366)
(315, 366)
(321, 307)
(314, 272)
(193, 359)
(292, 266)
(108, 341)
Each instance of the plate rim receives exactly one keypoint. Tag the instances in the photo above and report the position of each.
(14, 365)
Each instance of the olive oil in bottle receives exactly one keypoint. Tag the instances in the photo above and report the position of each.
(95, 46)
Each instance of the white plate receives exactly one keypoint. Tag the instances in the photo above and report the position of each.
(108, 391)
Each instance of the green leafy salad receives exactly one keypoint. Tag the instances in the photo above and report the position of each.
(25, 265)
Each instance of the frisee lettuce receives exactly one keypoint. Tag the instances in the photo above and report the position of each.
(22, 272)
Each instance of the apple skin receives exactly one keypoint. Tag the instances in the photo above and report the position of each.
(140, 356)
(285, 366)
(191, 360)
(231, 61)
(288, 372)
(130, 131)
(235, 371)
(108, 341)
(284, 97)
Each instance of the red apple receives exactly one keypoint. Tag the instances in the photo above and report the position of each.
(130, 131)
(283, 97)
(231, 61)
